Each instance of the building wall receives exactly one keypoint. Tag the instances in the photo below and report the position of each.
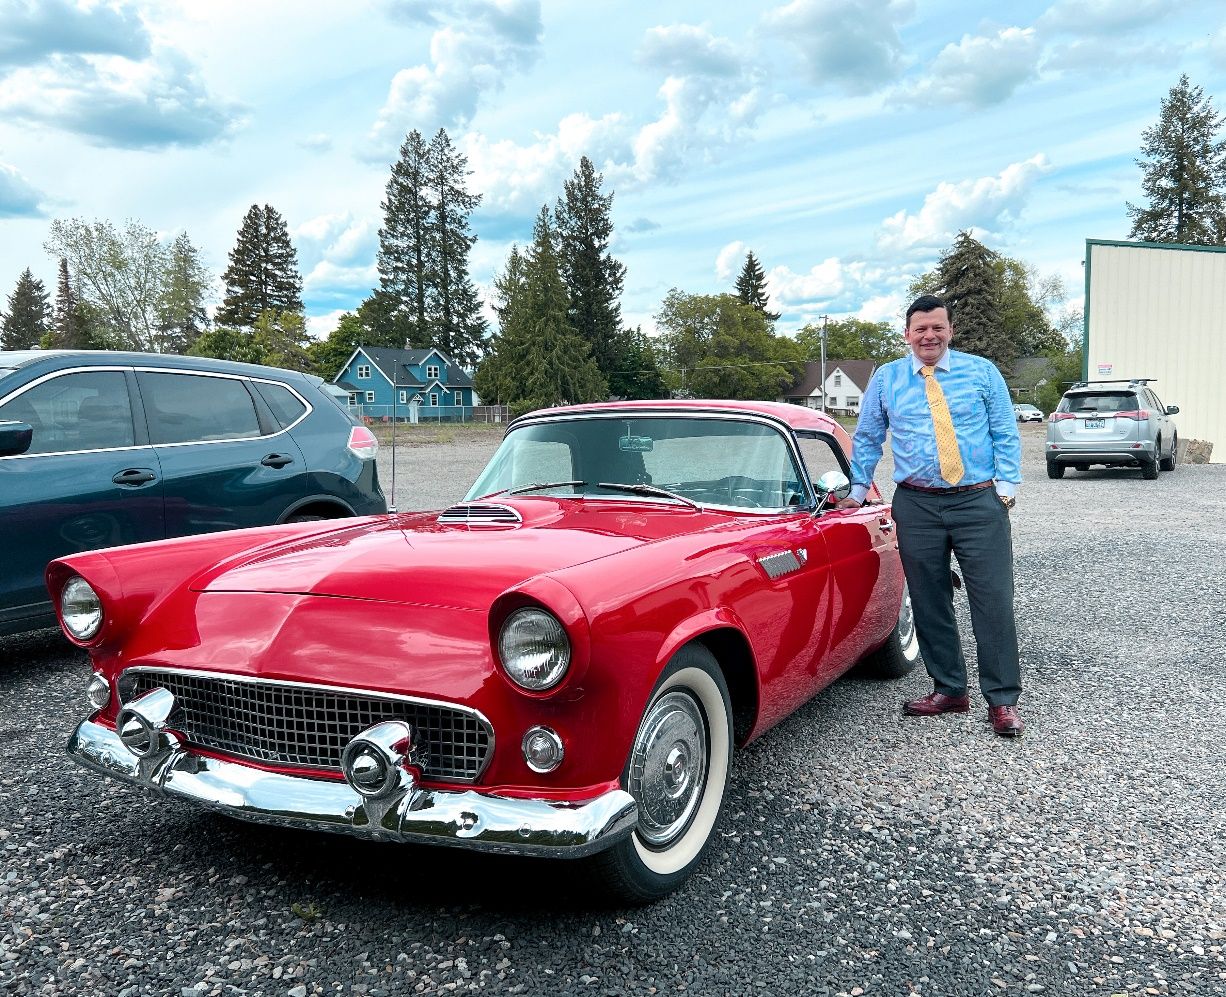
(1159, 311)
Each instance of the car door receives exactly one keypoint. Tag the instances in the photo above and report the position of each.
(89, 479)
(224, 463)
(864, 597)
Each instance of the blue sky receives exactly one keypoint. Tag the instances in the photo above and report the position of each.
(845, 143)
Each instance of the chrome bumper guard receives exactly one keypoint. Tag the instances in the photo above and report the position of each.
(462, 818)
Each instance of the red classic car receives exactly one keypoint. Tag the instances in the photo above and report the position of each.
(559, 665)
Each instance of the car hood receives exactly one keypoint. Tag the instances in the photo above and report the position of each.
(417, 559)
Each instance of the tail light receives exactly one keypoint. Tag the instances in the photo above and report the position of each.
(1060, 416)
(362, 443)
(1138, 415)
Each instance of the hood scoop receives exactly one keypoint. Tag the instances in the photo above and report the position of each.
(480, 514)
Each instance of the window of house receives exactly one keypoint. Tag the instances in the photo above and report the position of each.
(404, 398)
(363, 371)
(370, 397)
(433, 397)
(459, 398)
(432, 370)
(838, 380)
(353, 398)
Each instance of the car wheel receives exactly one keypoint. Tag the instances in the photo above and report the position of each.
(1055, 470)
(1149, 468)
(1168, 462)
(677, 773)
(897, 657)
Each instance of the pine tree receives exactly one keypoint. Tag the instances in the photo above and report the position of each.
(969, 279)
(456, 324)
(593, 277)
(1184, 172)
(181, 316)
(26, 322)
(405, 260)
(63, 330)
(751, 286)
(539, 359)
(263, 271)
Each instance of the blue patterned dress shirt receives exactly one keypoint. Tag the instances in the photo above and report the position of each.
(982, 412)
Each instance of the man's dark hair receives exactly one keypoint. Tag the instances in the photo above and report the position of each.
(925, 303)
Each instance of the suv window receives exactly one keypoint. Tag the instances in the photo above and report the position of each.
(1100, 401)
(285, 405)
(191, 408)
(82, 410)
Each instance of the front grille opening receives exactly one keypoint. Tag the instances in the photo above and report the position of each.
(309, 726)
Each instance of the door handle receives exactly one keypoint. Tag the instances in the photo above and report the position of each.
(276, 460)
(134, 476)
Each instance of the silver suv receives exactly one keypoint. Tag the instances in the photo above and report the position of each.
(1115, 423)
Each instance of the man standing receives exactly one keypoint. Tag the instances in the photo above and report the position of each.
(957, 464)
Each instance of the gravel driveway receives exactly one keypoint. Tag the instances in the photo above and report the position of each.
(862, 853)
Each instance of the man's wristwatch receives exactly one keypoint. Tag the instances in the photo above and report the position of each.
(1008, 501)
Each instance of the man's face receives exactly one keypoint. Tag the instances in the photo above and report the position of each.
(928, 334)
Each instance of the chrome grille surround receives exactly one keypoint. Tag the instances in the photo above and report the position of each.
(479, 514)
(309, 725)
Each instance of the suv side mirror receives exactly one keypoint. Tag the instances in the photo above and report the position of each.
(832, 484)
(1172, 410)
(15, 438)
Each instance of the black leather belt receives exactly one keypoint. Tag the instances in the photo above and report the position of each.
(945, 491)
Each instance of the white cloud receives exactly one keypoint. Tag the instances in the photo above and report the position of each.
(322, 326)
(686, 49)
(317, 142)
(851, 44)
(18, 197)
(730, 260)
(32, 32)
(470, 56)
(982, 204)
(1106, 17)
(979, 70)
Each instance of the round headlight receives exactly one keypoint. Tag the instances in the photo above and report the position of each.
(534, 648)
(80, 609)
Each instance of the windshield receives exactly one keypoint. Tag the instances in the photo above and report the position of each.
(713, 461)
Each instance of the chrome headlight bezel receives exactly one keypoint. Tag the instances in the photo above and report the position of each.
(534, 649)
(80, 609)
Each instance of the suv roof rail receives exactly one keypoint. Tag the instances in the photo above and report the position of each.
(1114, 380)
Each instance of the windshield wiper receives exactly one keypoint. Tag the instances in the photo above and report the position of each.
(536, 486)
(618, 486)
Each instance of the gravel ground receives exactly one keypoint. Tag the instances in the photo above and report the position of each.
(863, 853)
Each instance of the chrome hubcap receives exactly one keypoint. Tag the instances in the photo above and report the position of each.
(906, 619)
(668, 767)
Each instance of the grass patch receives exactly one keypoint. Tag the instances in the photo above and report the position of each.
(424, 434)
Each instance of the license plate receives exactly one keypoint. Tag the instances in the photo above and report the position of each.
(1096, 424)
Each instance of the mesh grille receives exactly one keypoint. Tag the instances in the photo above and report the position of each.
(309, 725)
(474, 514)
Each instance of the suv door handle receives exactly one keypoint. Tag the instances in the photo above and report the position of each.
(276, 460)
(134, 476)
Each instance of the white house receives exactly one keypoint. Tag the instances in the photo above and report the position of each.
(846, 382)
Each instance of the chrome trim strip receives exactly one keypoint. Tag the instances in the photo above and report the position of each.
(317, 687)
(463, 818)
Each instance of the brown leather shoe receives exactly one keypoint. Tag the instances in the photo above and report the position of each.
(1006, 721)
(934, 704)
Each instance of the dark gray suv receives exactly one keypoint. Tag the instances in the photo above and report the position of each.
(99, 449)
(1113, 423)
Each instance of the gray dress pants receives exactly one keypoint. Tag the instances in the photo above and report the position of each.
(975, 527)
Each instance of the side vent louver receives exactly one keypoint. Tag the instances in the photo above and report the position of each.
(477, 514)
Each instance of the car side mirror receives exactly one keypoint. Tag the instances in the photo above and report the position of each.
(15, 438)
(1172, 410)
(831, 485)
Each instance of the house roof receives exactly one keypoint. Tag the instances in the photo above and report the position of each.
(860, 372)
(396, 366)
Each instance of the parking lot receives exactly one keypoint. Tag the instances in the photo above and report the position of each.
(862, 853)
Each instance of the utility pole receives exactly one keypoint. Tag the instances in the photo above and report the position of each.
(824, 318)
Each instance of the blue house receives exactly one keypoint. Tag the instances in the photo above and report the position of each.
(406, 385)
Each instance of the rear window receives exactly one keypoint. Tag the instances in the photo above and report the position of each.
(1100, 401)
(285, 405)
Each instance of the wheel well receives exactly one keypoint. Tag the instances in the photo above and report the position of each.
(327, 510)
(731, 650)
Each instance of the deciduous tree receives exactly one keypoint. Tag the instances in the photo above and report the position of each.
(1183, 172)
(263, 271)
(853, 339)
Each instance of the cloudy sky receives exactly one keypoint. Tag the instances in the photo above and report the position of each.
(846, 142)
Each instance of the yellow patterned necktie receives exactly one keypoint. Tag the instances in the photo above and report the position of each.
(947, 440)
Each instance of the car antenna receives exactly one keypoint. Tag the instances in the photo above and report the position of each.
(395, 399)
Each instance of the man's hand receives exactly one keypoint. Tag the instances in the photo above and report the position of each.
(848, 503)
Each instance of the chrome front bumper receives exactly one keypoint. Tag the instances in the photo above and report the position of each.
(463, 818)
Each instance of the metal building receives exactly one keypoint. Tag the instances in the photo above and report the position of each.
(1158, 310)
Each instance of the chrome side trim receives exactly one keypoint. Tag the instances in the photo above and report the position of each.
(462, 818)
